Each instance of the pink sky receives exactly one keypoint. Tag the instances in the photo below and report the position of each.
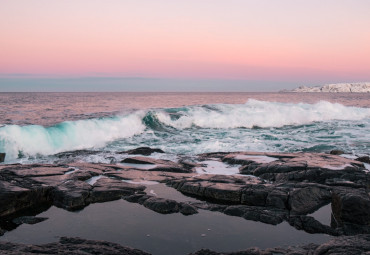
(216, 39)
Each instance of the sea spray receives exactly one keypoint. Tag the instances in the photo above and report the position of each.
(255, 125)
(32, 140)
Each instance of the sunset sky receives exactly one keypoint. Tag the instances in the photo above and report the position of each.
(217, 45)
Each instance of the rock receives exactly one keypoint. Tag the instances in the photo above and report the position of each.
(308, 199)
(364, 159)
(351, 245)
(141, 161)
(187, 209)
(146, 151)
(336, 152)
(160, 165)
(15, 198)
(351, 205)
(72, 195)
(73, 246)
(106, 189)
(2, 157)
(161, 205)
(28, 220)
(255, 213)
(311, 225)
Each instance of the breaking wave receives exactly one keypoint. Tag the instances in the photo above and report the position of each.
(34, 140)
(70, 135)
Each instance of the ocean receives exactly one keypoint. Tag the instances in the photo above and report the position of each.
(35, 127)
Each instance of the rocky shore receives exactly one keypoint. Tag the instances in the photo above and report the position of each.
(269, 187)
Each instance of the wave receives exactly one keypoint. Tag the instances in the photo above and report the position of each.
(34, 140)
(70, 135)
(261, 114)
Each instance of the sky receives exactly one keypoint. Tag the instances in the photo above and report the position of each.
(173, 45)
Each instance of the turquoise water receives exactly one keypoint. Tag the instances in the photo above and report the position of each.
(255, 125)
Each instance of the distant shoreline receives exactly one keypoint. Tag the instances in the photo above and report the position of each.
(360, 87)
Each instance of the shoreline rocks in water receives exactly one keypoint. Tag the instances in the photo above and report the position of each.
(270, 188)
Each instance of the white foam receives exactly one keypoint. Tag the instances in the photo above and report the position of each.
(367, 166)
(341, 167)
(138, 166)
(262, 114)
(94, 179)
(256, 158)
(70, 135)
(217, 167)
(142, 182)
(71, 171)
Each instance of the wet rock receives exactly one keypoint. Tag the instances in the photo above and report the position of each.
(146, 151)
(336, 152)
(73, 246)
(2, 157)
(308, 199)
(351, 205)
(309, 167)
(74, 154)
(351, 245)
(364, 159)
(28, 220)
(255, 213)
(106, 189)
(72, 195)
(167, 206)
(142, 161)
(187, 209)
(311, 225)
(159, 165)
(15, 198)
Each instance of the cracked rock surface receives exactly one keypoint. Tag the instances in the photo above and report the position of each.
(269, 188)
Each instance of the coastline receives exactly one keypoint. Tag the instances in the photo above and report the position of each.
(269, 188)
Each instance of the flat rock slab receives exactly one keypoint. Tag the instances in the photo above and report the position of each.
(73, 246)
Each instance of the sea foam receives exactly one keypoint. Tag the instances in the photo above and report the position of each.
(70, 135)
(261, 114)
(195, 128)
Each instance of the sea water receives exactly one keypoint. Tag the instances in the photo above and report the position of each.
(36, 126)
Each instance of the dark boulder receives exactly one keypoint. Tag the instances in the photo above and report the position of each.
(364, 159)
(146, 151)
(336, 152)
(308, 199)
(167, 206)
(351, 205)
(2, 157)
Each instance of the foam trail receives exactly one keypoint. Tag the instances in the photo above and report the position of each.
(70, 135)
(262, 114)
